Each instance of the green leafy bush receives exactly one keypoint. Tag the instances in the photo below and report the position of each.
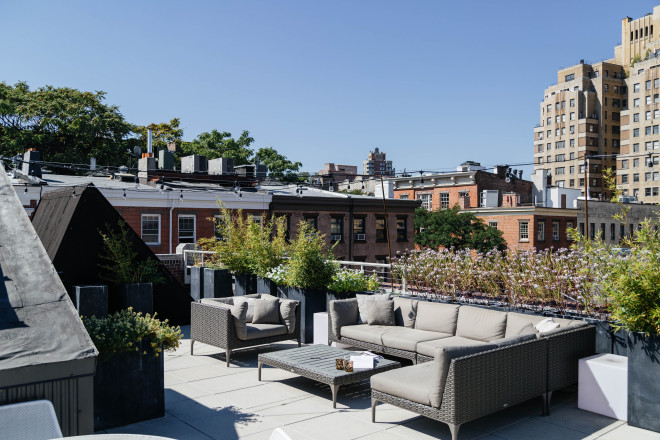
(310, 263)
(127, 330)
(349, 280)
(122, 264)
(245, 245)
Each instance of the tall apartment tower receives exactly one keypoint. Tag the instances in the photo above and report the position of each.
(608, 116)
(638, 170)
(377, 165)
(580, 117)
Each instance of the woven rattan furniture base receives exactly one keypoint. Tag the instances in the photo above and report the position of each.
(317, 362)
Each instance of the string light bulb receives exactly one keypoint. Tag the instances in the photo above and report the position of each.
(124, 196)
(73, 194)
(181, 195)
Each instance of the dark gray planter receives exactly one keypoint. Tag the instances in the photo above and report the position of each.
(266, 285)
(128, 388)
(197, 282)
(217, 283)
(643, 383)
(91, 300)
(138, 295)
(620, 342)
(604, 335)
(245, 284)
(311, 301)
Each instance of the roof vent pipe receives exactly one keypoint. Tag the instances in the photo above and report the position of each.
(149, 142)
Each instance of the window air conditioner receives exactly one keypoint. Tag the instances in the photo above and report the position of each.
(360, 237)
(335, 237)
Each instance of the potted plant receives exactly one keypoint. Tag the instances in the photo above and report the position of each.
(232, 251)
(268, 247)
(132, 277)
(129, 380)
(307, 273)
(346, 283)
(633, 291)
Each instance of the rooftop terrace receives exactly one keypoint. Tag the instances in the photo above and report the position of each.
(206, 400)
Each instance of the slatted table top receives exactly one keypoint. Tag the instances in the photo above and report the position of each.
(318, 362)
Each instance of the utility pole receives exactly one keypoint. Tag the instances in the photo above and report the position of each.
(586, 195)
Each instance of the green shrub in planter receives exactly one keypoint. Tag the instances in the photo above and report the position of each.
(129, 381)
(350, 280)
(126, 330)
(310, 263)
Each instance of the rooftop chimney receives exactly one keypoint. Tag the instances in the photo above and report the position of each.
(149, 142)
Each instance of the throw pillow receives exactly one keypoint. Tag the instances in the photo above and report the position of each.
(250, 303)
(266, 311)
(239, 312)
(288, 314)
(380, 312)
(546, 325)
(362, 304)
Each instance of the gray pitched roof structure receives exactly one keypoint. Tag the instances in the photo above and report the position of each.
(70, 227)
(45, 351)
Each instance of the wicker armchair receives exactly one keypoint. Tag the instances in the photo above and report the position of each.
(211, 323)
(478, 384)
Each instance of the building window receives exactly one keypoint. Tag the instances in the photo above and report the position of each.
(636, 177)
(312, 220)
(612, 232)
(444, 200)
(403, 197)
(636, 87)
(635, 132)
(381, 232)
(151, 229)
(401, 229)
(336, 228)
(523, 231)
(359, 233)
(187, 229)
(636, 117)
(572, 102)
(624, 178)
(648, 84)
(569, 226)
(426, 201)
(555, 231)
(636, 102)
(635, 163)
(492, 224)
(570, 77)
(540, 230)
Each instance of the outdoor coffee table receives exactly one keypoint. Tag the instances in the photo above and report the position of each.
(317, 362)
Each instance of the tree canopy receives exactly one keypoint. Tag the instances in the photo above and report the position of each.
(278, 165)
(221, 144)
(64, 124)
(451, 228)
(70, 126)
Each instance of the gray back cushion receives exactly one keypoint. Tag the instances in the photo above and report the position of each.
(362, 301)
(288, 314)
(517, 321)
(266, 311)
(250, 303)
(239, 312)
(481, 324)
(436, 317)
(381, 312)
(405, 311)
(514, 339)
(342, 312)
(442, 362)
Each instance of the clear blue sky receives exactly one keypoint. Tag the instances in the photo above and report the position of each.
(431, 83)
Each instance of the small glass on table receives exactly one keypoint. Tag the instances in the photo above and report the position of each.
(339, 363)
(348, 364)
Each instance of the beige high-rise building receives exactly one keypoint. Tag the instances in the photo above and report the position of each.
(580, 116)
(609, 115)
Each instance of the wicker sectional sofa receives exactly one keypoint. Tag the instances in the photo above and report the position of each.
(468, 361)
(216, 321)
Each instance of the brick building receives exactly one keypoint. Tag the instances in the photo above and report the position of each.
(472, 188)
(168, 214)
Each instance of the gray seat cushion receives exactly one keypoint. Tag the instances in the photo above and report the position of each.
(365, 333)
(428, 348)
(258, 331)
(481, 324)
(436, 317)
(410, 383)
(403, 338)
(405, 311)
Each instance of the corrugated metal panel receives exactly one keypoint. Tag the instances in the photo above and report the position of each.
(73, 399)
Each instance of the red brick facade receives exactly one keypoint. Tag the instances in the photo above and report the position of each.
(509, 220)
